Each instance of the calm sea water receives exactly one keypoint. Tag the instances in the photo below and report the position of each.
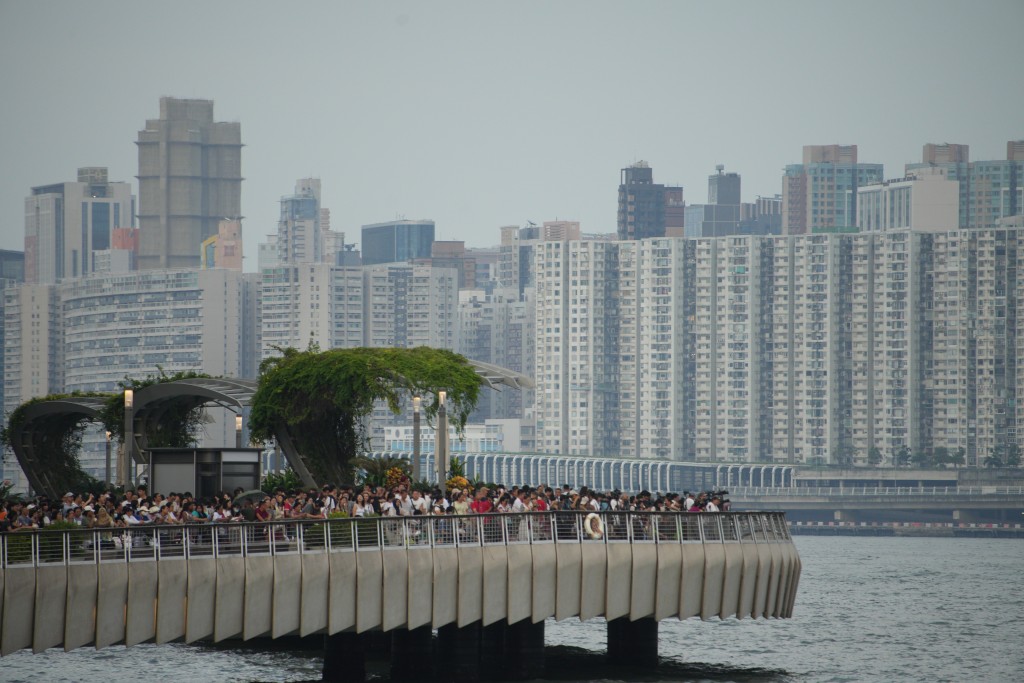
(868, 609)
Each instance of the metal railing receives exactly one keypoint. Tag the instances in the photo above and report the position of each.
(153, 543)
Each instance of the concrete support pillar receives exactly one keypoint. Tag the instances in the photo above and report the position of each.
(344, 658)
(492, 642)
(524, 650)
(458, 653)
(633, 643)
(411, 653)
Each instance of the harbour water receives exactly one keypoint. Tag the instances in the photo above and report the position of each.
(868, 609)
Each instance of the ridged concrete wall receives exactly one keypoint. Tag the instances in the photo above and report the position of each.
(326, 591)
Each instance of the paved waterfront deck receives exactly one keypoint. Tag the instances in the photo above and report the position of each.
(217, 581)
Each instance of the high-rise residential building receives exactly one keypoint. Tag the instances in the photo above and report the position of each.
(306, 303)
(300, 234)
(496, 330)
(577, 395)
(33, 343)
(820, 348)
(67, 223)
(820, 194)
(132, 324)
(397, 241)
(515, 258)
(12, 274)
(409, 305)
(643, 204)
(809, 368)
(989, 190)
(729, 348)
(891, 341)
(976, 370)
(452, 254)
(190, 178)
(553, 231)
(615, 340)
(925, 201)
(657, 341)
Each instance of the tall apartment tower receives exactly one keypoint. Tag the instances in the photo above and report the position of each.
(646, 209)
(302, 303)
(66, 224)
(190, 178)
(299, 230)
(820, 194)
(409, 305)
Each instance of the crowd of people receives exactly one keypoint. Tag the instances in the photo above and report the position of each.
(135, 508)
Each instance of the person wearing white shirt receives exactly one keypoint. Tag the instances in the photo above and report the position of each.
(419, 504)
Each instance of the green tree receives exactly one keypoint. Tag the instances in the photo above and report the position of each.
(179, 423)
(57, 444)
(286, 481)
(941, 456)
(1012, 458)
(875, 456)
(320, 399)
(995, 457)
(959, 457)
(922, 458)
(901, 457)
(845, 455)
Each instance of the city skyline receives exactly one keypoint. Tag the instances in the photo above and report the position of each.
(531, 127)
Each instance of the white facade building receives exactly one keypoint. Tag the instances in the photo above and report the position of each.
(408, 305)
(310, 303)
(131, 324)
(925, 201)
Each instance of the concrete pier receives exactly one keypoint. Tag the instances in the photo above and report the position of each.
(485, 584)
(633, 643)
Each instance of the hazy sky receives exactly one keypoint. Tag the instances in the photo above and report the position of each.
(482, 114)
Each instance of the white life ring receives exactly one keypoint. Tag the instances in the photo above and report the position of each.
(593, 525)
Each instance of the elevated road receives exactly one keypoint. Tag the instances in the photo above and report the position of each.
(940, 503)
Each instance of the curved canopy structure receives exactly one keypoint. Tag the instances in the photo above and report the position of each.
(42, 421)
(151, 404)
(494, 375)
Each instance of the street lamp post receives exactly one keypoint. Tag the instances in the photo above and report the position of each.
(416, 474)
(106, 470)
(126, 461)
(238, 430)
(441, 440)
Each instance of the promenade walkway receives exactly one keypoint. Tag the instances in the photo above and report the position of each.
(172, 583)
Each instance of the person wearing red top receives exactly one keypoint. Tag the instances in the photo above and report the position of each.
(481, 502)
(263, 512)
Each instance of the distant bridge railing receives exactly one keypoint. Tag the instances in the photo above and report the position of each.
(873, 491)
(149, 543)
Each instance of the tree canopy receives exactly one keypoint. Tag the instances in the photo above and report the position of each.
(322, 397)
